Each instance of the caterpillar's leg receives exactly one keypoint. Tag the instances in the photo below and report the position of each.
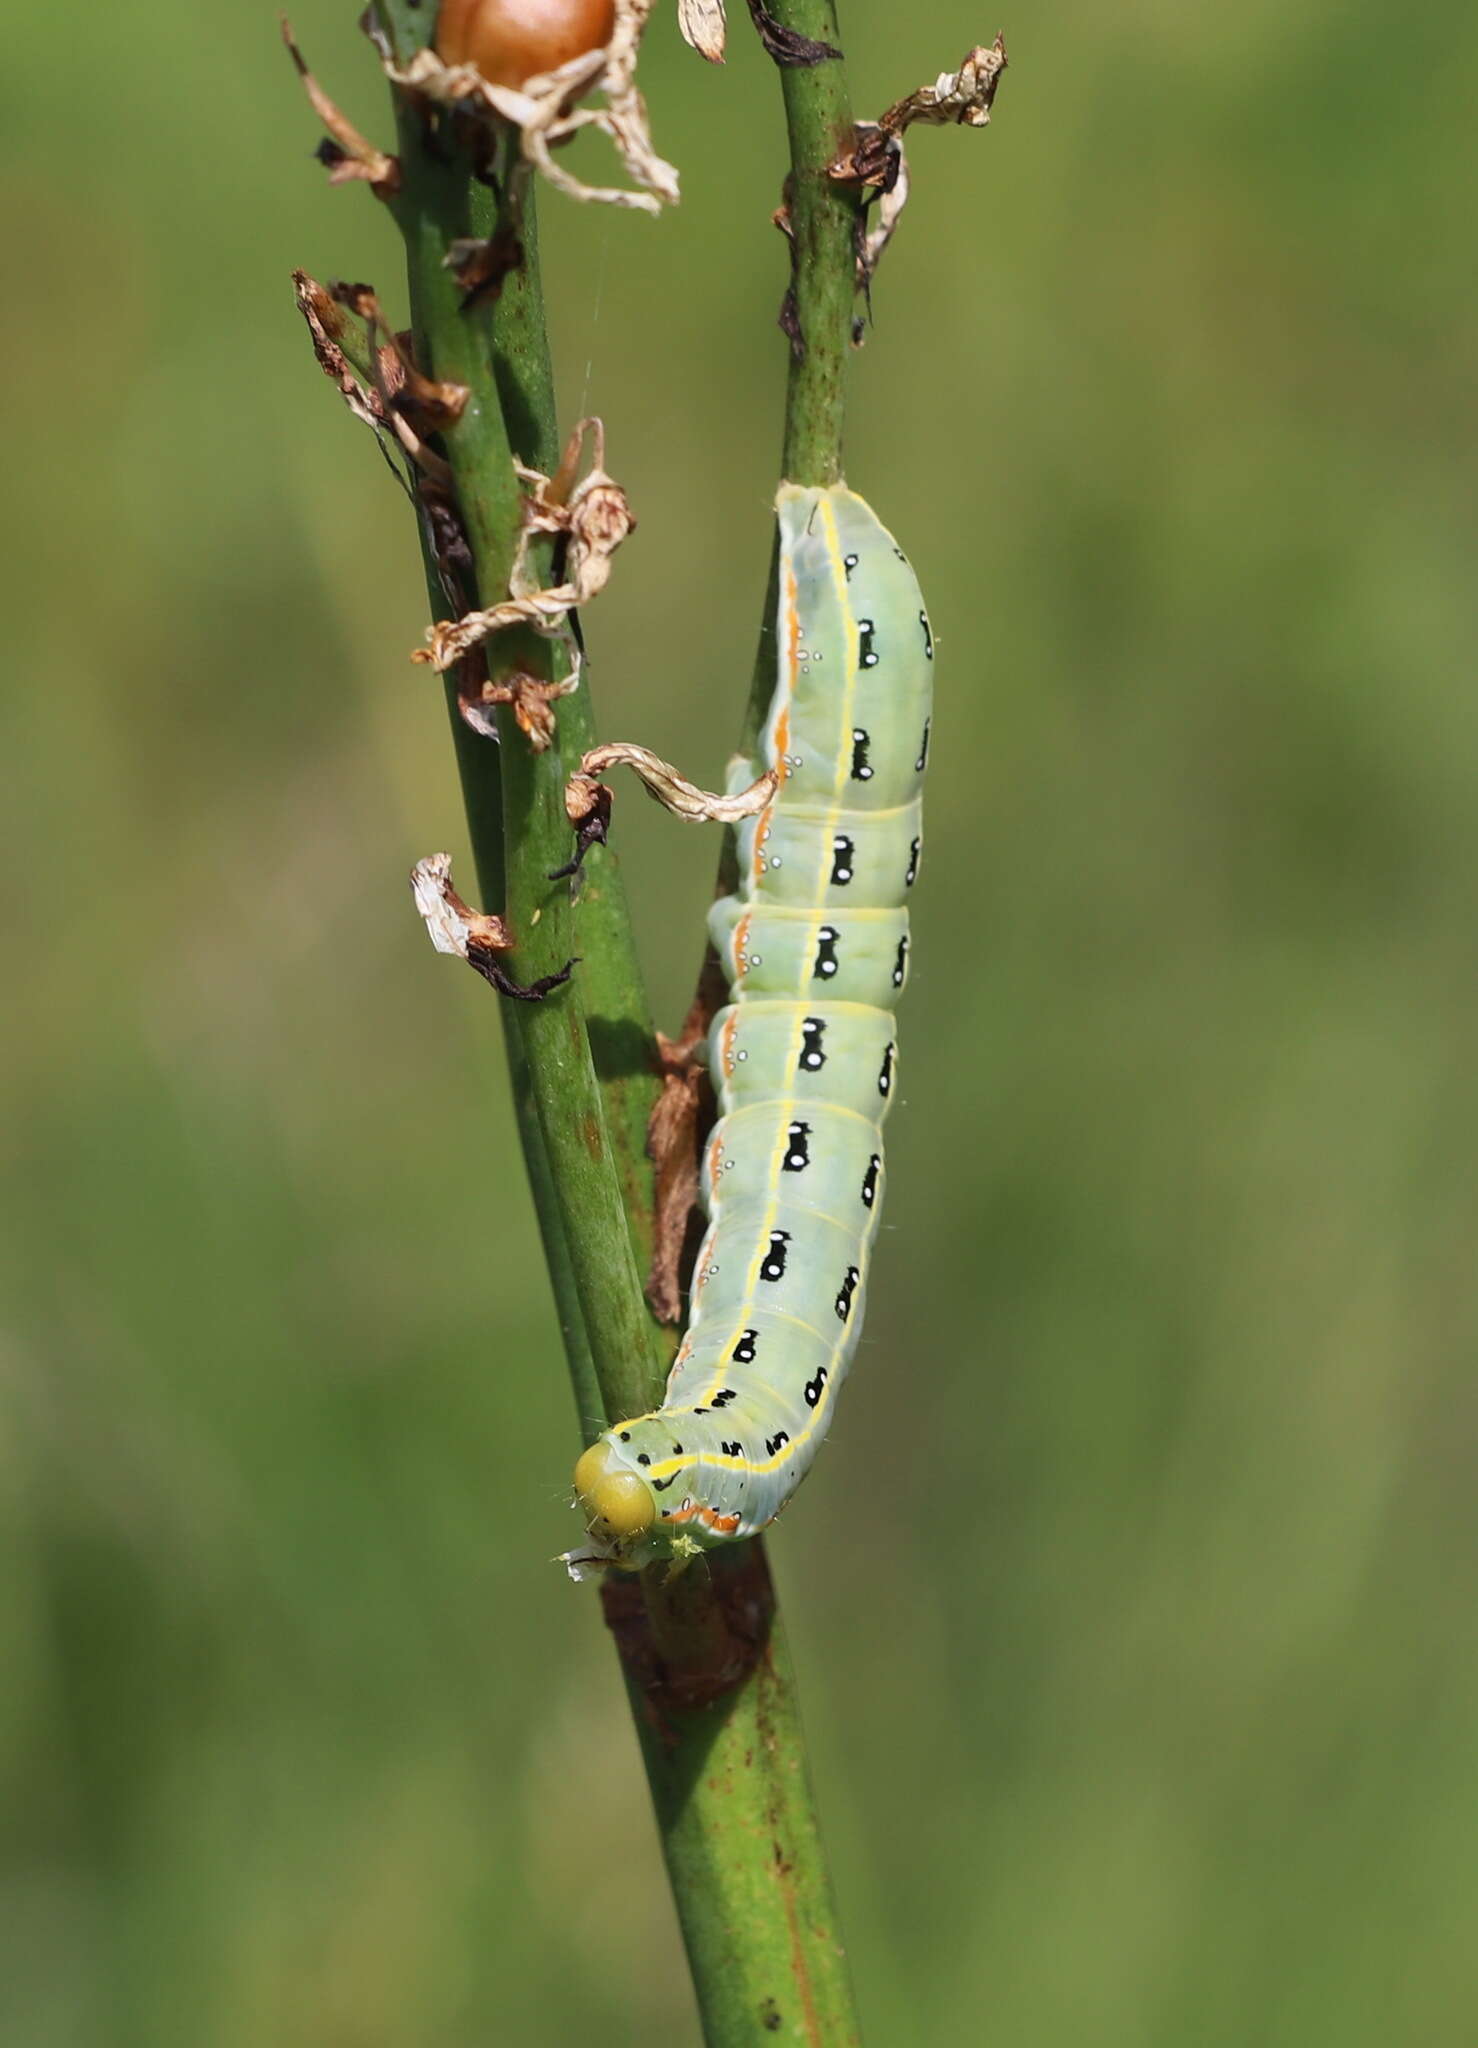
(473, 935)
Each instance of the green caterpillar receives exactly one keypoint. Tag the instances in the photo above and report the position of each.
(815, 943)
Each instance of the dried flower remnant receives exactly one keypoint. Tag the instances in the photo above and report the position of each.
(956, 98)
(702, 26)
(876, 160)
(379, 381)
(662, 782)
(533, 702)
(593, 517)
(330, 331)
(588, 800)
(343, 150)
(546, 109)
(475, 936)
(415, 405)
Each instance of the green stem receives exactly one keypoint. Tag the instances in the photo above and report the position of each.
(497, 354)
(762, 1933)
(704, 1659)
(823, 223)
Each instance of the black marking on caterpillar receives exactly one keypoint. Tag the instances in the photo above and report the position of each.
(928, 636)
(727, 1394)
(913, 864)
(870, 1181)
(900, 965)
(826, 953)
(923, 761)
(772, 1265)
(744, 1350)
(773, 1443)
(845, 1292)
(797, 1149)
(861, 741)
(843, 851)
(812, 1058)
(867, 655)
(814, 1385)
(885, 1072)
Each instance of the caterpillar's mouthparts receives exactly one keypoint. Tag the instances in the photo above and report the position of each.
(617, 1506)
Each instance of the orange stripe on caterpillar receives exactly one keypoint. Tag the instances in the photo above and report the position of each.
(721, 1525)
(761, 834)
(781, 748)
(726, 1042)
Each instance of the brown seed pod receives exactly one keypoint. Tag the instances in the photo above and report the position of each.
(511, 41)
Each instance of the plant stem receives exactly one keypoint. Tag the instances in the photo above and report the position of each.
(823, 223)
(704, 1659)
(511, 790)
(740, 1784)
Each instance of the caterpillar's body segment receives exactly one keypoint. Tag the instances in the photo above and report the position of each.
(803, 1059)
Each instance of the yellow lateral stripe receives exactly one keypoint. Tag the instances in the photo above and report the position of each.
(812, 1108)
(787, 1105)
(720, 1461)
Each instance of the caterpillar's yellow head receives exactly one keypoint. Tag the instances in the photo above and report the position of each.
(619, 1507)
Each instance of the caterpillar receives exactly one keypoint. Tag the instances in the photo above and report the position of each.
(815, 945)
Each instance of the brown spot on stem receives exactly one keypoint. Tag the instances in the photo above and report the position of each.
(712, 1631)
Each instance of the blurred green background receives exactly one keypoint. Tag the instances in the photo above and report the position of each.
(1135, 1598)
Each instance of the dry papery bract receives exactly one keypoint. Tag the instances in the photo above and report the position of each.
(346, 152)
(594, 517)
(377, 379)
(961, 98)
(546, 111)
(453, 925)
(475, 936)
(702, 26)
(663, 782)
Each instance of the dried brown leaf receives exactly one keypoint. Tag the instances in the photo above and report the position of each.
(346, 153)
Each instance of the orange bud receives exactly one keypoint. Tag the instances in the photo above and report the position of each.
(510, 41)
